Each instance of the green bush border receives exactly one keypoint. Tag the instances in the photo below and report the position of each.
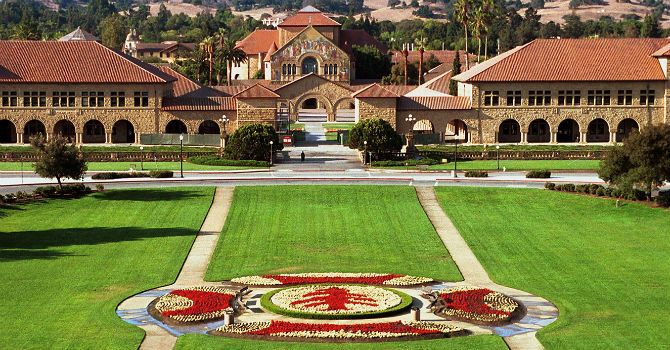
(268, 305)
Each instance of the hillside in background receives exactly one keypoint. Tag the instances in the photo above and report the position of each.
(555, 10)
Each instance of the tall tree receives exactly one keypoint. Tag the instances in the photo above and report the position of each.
(221, 36)
(113, 32)
(57, 159)
(230, 53)
(207, 45)
(455, 70)
(463, 14)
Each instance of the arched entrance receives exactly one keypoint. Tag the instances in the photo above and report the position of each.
(33, 128)
(94, 132)
(209, 127)
(423, 126)
(568, 131)
(310, 65)
(176, 127)
(538, 132)
(345, 111)
(310, 103)
(598, 131)
(625, 128)
(457, 131)
(123, 132)
(313, 109)
(66, 129)
(7, 132)
(509, 132)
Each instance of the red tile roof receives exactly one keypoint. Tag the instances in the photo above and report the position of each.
(434, 103)
(440, 83)
(662, 52)
(359, 37)
(199, 104)
(375, 91)
(400, 90)
(231, 90)
(258, 41)
(444, 56)
(573, 60)
(185, 87)
(271, 50)
(72, 62)
(314, 76)
(256, 91)
(313, 17)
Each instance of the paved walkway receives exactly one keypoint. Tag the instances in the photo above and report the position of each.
(195, 266)
(473, 272)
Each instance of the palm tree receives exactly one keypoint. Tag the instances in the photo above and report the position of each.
(208, 46)
(230, 53)
(462, 12)
(221, 36)
(478, 21)
(490, 11)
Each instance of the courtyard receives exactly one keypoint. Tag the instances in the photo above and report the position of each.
(68, 264)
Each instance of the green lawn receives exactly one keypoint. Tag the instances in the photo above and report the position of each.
(338, 126)
(606, 268)
(511, 165)
(165, 148)
(125, 166)
(291, 229)
(66, 264)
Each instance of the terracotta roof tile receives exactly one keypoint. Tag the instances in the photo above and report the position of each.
(375, 91)
(231, 90)
(187, 88)
(434, 103)
(440, 83)
(256, 91)
(258, 41)
(305, 18)
(573, 60)
(437, 71)
(359, 37)
(399, 90)
(199, 104)
(444, 56)
(271, 50)
(72, 62)
(314, 76)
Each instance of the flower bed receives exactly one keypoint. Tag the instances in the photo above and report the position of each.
(335, 301)
(341, 332)
(479, 305)
(195, 304)
(312, 278)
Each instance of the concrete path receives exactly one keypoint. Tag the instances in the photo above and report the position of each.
(473, 272)
(195, 266)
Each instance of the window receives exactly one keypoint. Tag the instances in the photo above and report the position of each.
(647, 97)
(599, 97)
(92, 99)
(514, 98)
(118, 99)
(294, 70)
(625, 97)
(34, 99)
(283, 69)
(9, 99)
(491, 98)
(569, 97)
(63, 99)
(141, 99)
(539, 98)
(335, 69)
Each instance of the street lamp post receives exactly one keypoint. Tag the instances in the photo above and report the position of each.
(365, 155)
(498, 155)
(181, 155)
(224, 120)
(456, 159)
(142, 157)
(271, 143)
(410, 136)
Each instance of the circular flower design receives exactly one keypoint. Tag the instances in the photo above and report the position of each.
(342, 332)
(195, 304)
(334, 301)
(476, 304)
(333, 277)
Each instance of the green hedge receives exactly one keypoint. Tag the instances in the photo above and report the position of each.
(409, 162)
(118, 175)
(268, 305)
(476, 173)
(538, 174)
(663, 199)
(160, 174)
(218, 161)
(599, 190)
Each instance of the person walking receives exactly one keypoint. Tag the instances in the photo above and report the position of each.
(302, 156)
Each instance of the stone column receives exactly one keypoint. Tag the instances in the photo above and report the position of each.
(554, 137)
(524, 137)
(78, 138)
(612, 137)
(108, 138)
(19, 137)
(582, 137)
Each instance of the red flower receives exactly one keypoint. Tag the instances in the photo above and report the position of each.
(335, 297)
(471, 301)
(278, 327)
(287, 279)
(203, 302)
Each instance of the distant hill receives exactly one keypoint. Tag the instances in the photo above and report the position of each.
(555, 10)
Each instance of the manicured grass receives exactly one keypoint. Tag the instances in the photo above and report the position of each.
(66, 264)
(198, 342)
(338, 126)
(606, 268)
(512, 165)
(478, 148)
(292, 229)
(125, 166)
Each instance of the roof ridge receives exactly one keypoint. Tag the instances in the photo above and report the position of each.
(318, 76)
(484, 66)
(253, 86)
(141, 66)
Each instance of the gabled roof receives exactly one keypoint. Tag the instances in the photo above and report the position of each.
(662, 52)
(313, 76)
(309, 16)
(573, 60)
(78, 35)
(434, 103)
(256, 91)
(199, 104)
(444, 56)
(72, 62)
(187, 88)
(258, 41)
(271, 50)
(374, 91)
(305, 30)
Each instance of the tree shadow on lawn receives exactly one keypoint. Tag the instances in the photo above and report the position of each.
(28, 245)
(148, 195)
(4, 208)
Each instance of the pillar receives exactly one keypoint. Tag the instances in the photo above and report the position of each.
(524, 137)
(582, 137)
(554, 137)
(612, 137)
(137, 138)
(108, 138)
(78, 138)
(19, 137)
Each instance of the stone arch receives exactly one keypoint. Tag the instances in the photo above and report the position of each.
(316, 114)
(66, 129)
(7, 131)
(423, 126)
(539, 131)
(568, 131)
(598, 130)
(457, 131)
(209, 127)
(309, 64)
(625, 128)
(123, 131)
(345, 110)
(176, 126)
(94, 132)
(509, 131)
(33, 128)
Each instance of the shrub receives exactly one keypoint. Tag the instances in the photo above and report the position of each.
(10, 198)
(99, 187)
(550, 186)
(601, 192)
(663, 199)
(617, 193)
(379, 134)
(22, 195)
(252, 142)
(218, 161)
(569, 188)
(117, 175)
(409, 162)
(538, 174)
(160, 174)
(75, 189)
(582, 188)
(593, 188)
(476, 173)
(45, 191)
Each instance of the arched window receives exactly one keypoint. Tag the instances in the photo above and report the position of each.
(294, 70)
(335, 69)
(283, 69)
(309, 65)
